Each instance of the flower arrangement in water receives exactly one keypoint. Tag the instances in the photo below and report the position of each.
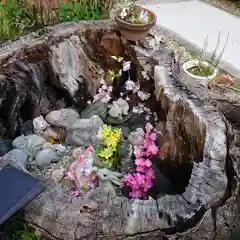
(142, 181)
(110, 138)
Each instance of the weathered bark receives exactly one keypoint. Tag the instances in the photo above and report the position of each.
(196, 134)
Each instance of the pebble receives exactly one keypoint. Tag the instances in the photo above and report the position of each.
(17, 158)
(62, 118)
(5, 146)
(30, 143)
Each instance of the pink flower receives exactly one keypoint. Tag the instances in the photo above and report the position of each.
(138, 151)
(152, 149)
(141, 181)
(148, 127)
(153, 136)
(150, 173)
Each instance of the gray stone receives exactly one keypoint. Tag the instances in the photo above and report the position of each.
(93, 123)
(17, 158)
(84, 132)
(62, 118)
(136, 137)
(97, 108)
(30, 143)
(46, 156)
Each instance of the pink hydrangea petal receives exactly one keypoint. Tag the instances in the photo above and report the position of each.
(148, 163)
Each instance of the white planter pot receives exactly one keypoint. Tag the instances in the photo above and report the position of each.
(202, 80)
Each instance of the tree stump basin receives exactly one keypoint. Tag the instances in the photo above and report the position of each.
(68, 61)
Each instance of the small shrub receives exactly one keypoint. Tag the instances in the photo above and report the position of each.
(18, 17)
(73, 11)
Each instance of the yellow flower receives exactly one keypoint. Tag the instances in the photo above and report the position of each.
(110, 139)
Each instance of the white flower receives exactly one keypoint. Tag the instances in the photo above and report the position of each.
(110, 88)
(106, 98)
(147, 117)
(102, 81)
(137, 110)
(141, 105)
(147, 110)
(143, 16)
(130, 85)
(126, 66)
(104, 87)
(143, 95)
(123, 13)
(145, 75)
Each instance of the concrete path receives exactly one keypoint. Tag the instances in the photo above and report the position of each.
(191, 21)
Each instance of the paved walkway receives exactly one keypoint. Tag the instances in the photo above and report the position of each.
(193, 20)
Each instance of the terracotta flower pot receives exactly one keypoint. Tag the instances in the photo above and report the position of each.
(133, 31)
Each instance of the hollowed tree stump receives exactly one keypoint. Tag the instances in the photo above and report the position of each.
(195, 133)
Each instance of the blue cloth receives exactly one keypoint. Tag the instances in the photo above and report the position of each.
(17, 188)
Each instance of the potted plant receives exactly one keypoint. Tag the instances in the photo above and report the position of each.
(201, 70)
(134, 21)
